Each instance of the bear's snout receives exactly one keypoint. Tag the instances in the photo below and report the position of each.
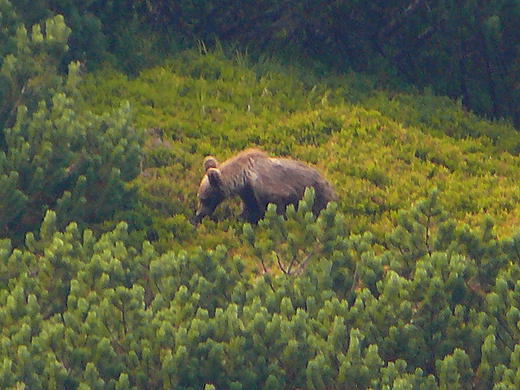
(197, 217)
(203, 210)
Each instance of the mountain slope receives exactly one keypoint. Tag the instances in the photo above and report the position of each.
(381, 150)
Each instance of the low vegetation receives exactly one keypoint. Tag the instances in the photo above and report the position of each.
(408, 281)
(381, 150)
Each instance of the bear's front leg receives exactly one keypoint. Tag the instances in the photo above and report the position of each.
(252, 213)
(252, 210)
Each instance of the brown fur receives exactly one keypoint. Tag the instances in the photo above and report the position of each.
(259, 180)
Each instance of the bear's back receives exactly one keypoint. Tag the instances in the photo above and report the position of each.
(296, 172)
(246, 159)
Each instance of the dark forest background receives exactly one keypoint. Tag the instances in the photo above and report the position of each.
(466, 49)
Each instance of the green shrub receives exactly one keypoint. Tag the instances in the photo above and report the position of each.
(420, 312)
(52, 155)
(381, 153)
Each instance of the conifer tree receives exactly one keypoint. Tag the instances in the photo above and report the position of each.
(52, 155)
(126, 317)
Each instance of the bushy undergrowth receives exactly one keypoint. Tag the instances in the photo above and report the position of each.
(381, 150)
(436, 308)
(409, 281)
(54, 156)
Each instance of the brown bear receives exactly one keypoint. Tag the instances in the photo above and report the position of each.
(259, 180)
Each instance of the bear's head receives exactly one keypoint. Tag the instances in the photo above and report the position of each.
(211, 192)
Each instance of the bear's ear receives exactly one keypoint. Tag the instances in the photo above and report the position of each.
(214, 177)
(210, 162)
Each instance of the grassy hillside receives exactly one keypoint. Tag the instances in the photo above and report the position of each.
(405, 283)
(382, 150)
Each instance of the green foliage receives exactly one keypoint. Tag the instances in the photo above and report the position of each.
(408, 281)
(52, 156)
(380, 151)
(102, 32)
(440, 116)
(123, 316)
(462, 49)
